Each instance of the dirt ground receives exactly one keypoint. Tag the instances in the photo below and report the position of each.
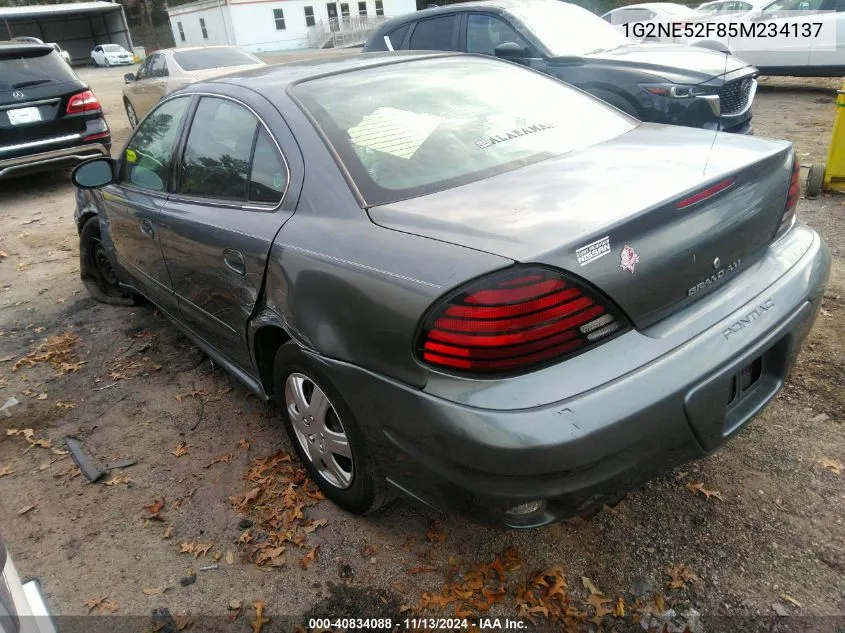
(768, 551)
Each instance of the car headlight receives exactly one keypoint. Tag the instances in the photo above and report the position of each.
(679, 91)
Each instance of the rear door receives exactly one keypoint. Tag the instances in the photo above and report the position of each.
(150, 88)
(233, 197)
(133, 204)
(35, 87)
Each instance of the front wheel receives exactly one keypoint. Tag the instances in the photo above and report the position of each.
(131, 115)
(107, 64)
(94, 62)
(325, 433)
(96, 268)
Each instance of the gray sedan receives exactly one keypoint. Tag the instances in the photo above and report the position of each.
(464, 282)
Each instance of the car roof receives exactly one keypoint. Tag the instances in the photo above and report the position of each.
(180, 49)
(7, 46)
(275, 78)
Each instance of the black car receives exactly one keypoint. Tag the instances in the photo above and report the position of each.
(49, 118)
(660, 83)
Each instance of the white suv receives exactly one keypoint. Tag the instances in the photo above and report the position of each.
(796, 56)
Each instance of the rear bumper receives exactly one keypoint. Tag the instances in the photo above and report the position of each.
(53, 159)
(658, 398)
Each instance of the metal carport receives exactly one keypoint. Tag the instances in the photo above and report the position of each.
(76, 27)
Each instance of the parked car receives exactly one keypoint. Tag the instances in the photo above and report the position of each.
(725, 7)
(22, 607)
(26, 39)
(170, 69)
(822, 56)
(512, 308)
(62, 53)
(660, 83)
(650, 13)
(49, 118)
(111, 55)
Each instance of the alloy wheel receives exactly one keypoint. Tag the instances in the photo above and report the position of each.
(319, 430)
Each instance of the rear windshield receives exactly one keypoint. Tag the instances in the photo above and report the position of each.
(23, 69)
(205, 59)
(409, 129)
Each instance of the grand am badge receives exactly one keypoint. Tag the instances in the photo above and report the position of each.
(628, 259)
(593, 251)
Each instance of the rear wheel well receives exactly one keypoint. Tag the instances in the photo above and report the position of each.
(267, 342)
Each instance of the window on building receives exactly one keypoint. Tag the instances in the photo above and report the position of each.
(344, 11)
(204, 31)
(279, 17)
(309, 16)
(181, 31)
(379, 7)
(435, 34)
(362, 8)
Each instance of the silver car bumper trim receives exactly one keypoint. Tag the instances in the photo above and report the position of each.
(77, 153)
(47, 141)
(28, 104)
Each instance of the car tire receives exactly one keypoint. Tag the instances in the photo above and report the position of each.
(107, 64)
(97, 270)
(94, 62)
(617, 101)
(131, 114)
(815, 181)
(354, 483)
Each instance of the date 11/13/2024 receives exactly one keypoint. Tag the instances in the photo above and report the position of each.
(416, 624)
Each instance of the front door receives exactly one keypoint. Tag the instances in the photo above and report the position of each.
(133, 204)
(218, 228)
(331, 9)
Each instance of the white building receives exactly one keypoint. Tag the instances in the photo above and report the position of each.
(273, 25)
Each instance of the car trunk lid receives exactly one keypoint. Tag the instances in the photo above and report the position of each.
(609, 214)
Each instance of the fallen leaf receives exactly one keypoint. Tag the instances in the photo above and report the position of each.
(791, 600)
(65, 405)
(100, 604)
(234, 605)
(42, 396)
(156, 590)
(186, 547)
(168, 533)
(660, 603)
(155, 507)
(259, 620)
(590, 586)
(26, 509)
(244, 444)
(6, 470)
(699, 487)
(230, 558)
(118, 479)
(201, 549)
(223, 458)
(619, 611)
(313, 525)
(181, 449)
(831, 464)
(680, 575)
(309, 558)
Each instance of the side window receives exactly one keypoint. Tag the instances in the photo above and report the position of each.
(147, 159)
(434, 34)
(486, 32)
(158, 67)
(144, 69)
(269, 176)
(216, 159)
(398, 36)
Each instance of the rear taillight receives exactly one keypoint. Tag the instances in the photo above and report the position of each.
(792, 196)
(83, 102)
(514, 320)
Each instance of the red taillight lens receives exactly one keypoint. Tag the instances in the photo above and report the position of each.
(514, 320)
(792, 196)
(83, 102)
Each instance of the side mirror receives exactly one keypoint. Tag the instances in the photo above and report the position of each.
(510, 51)
(128, 77)
(755, 15)
(94, 173)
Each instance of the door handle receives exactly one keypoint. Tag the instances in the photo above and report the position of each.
(146, 228)
(234, 261)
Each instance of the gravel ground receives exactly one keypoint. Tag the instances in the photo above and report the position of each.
(768, 551)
